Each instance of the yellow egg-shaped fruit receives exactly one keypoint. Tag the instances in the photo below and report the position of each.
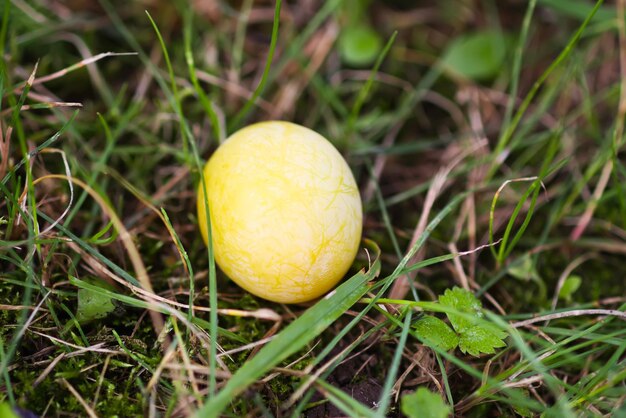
(286, 214)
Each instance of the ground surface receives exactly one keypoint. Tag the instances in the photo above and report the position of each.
(487, 141)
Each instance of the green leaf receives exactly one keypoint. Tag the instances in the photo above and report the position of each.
(462, 301)
(481, 338)
(93, 305)
(424, 404)
(436, 333)
(359, 45)
(6, 411)
(523, 410)
(477, 56)
(525, 270)
(571, 285)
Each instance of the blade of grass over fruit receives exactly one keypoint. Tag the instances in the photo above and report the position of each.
(365, 90)
(504, 139)
(295, 336)
(188, 137)
(240, 116)
(386, 391)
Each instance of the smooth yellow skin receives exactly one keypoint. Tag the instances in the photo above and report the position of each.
(286, 213)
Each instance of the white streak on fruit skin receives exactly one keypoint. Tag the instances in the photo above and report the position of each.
(285, 211)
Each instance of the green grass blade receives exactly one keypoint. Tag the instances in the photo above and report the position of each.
(185, 257)
(517, 64)
(508, 133)
(293, 338)
(207, 105)
(385, 396)
(236, 121)
(188, 139)
(364, 92)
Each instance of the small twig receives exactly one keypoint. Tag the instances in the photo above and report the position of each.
(43, 105)
(463, 280)
(247, 346)
(511, 379)
(169, 354)
(90, 412)
(101, 380)
(577, 312)
(81, 64)
(19, 308)
(48, 369)
(524, 382)
(96, 348)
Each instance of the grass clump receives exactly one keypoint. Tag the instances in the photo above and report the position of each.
(488, 193)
